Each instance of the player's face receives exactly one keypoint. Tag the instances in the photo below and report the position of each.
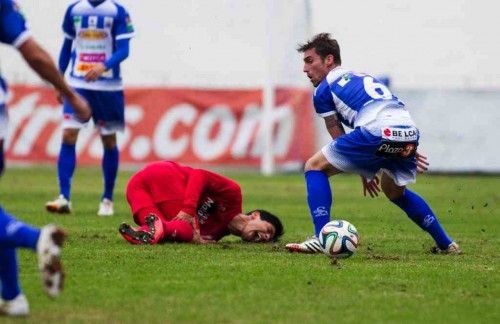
(315, 67)
(257, 230)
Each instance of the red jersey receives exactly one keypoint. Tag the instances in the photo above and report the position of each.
(214, 199)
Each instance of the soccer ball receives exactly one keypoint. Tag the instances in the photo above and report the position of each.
(339, 239)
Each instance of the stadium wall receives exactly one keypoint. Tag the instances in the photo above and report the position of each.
(439, 56)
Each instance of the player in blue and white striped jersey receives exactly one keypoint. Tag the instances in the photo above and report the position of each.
(384, 138)
(97, 34)
(47, 241)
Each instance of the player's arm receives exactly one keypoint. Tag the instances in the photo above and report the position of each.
(119, 55)
(41, 62)
(65, 55)
(334, 126)
(196, 183)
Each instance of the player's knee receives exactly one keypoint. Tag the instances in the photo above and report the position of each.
(70, 136)
(109, 141)
(392, 191)
(313, 164)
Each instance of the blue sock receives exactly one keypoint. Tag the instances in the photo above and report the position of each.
(14, 233)
(65, 168)
(9, 276)
(421, 214)
(110, 162)
(319, 198)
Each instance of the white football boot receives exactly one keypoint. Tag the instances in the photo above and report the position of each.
(308, 246)
(105, 208)
(59, 205)
(16, 307)
(453, 248)
(49, 248)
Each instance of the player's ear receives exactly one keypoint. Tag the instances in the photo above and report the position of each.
(329, 60)
(255, 214)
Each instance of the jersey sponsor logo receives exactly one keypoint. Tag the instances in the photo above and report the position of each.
(84, 67)
(92, 21)
(92, 57)
(92, 34)
(205, 208)
(399, 134)
(397, 149)
(108, 22)
(77, 22)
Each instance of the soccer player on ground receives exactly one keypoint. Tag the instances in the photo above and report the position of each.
(172, 202)
(384, 138)
(97, 34)
(48, 241)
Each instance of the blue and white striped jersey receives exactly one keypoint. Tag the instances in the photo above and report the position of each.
(347, 94)
(13, 31)
(94, 31)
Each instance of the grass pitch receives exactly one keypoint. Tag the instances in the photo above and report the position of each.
(391, 278)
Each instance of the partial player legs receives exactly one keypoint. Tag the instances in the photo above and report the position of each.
(417, 210)
(110, 163)
(319, 200)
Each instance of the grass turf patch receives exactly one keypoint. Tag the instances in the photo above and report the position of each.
(391, 278)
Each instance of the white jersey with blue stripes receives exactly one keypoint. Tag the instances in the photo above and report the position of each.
(94, 31)
(351, 96)
(13, 31)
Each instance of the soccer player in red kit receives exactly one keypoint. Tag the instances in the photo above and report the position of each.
(172, 202)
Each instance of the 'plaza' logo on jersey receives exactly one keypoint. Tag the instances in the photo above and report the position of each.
(395, 149)
(92, 34)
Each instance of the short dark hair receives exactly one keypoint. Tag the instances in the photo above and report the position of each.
(273, 219)
(324, 45)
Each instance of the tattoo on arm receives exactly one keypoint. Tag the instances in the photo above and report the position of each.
(334, 126)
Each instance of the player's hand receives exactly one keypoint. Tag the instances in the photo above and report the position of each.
(198, 239)
(422, 164)
(59, 96)
(185, 217)
(95, 72)
(80, 106)
(371, 186)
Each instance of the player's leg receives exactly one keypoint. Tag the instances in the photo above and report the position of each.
(150, 230)
(66, 161)
(142, 205)
(418, 211)
(109, 165)
(66, 164)
(109, 113)
(13, 302)
(4, 121)
(317, 170)
(47, 242)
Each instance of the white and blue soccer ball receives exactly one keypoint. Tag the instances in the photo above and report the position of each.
(339, 239)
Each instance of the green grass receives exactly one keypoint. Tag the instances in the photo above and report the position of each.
(391, 278)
